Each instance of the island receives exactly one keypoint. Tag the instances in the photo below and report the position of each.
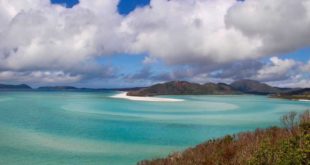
(15, 87)
(57, 88)
(238, 87)
(188, 88)
(184, 88)
(300, 94)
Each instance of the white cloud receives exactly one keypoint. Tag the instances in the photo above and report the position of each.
(306, 67)
(188, 32)
(295, 81)
(281, 25)
(44, 36)
(39, 77)
(37, 37)
(278, 69)
(219, 31)
(149, 60)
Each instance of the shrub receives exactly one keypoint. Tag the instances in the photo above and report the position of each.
(272, 146)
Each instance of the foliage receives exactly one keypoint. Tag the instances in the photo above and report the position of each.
(273, 146)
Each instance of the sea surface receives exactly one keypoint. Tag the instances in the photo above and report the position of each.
(38, 128)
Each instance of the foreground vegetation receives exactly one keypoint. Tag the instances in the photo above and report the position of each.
(273, 146)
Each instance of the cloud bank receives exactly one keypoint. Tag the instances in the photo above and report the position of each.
(53, 44)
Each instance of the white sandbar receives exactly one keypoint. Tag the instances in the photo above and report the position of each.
(123, 95)
(303, 100)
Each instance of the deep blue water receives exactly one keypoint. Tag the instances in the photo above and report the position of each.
(93, 128)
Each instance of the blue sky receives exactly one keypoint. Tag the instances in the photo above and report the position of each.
(124, 6)
(300, 55)
(110, 44)
(127, 63)
(68, 3)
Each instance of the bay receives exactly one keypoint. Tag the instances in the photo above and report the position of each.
(94, 128)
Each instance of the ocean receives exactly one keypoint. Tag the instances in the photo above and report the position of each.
(38, 128)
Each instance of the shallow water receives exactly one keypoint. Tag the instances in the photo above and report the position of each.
(93, 128)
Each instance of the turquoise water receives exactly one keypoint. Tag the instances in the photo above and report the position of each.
(92, 128)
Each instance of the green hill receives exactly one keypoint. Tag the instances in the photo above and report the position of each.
(184, 88)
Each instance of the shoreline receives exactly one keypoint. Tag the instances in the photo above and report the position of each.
(304, 100)
(123, 95)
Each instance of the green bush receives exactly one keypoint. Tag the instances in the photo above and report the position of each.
(273, 146)
(292, 151)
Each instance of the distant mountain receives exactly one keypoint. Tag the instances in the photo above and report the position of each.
(15, 87)
(305, 91)
(184, 88)
(71, 88)
(188, 88)
(295, 94)
(255, 87)
(127, 89)
(58, 88)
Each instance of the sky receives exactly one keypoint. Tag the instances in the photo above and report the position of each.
(128, 43)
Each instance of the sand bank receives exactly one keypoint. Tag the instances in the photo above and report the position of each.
(123, 95)
(303, 100)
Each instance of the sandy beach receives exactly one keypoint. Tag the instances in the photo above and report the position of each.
(303, 100)
(123, 95)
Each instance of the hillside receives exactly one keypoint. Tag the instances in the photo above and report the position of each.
(58, 88)
(255, 87)
(272, 146)
(48, 88)
(184, 88)
(72, 88)
(15, 87)
(8, 87)
(295, 95)
(187, 88)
